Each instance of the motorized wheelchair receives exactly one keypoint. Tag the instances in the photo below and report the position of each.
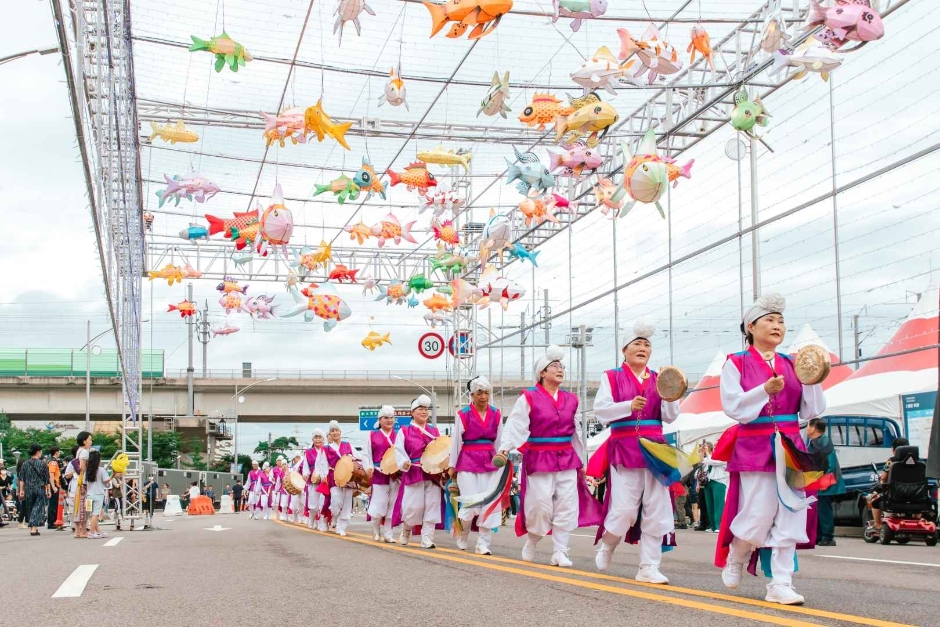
(908, 511)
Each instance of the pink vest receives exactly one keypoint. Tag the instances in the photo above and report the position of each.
(253, 477)
(266, 480)
(415, 442)
(623, 448)
(380, 444)
(345, 448)
(278, 474)
(752, 451)
(551, 427)
(311, 455)
(478, 443)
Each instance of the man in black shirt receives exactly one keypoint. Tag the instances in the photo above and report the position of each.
(237, 491)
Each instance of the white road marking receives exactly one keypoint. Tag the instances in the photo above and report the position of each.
(114, 541)
(217, 528)
(74, 586)
(870, 559)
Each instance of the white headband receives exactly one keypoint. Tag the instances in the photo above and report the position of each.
(553, 353)
(387, 411)
(318, 432)
(266, 466)
(642, 330)
(766, 304)
(421, 401)
(480, 383)
(334, 425)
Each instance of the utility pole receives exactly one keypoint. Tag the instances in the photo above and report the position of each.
(270, 457)
(522, 346)
(204, 338)
(546, 314)
(858, 352)
(580, 342)
(190, 409)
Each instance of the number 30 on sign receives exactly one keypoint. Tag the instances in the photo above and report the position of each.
(431, 345)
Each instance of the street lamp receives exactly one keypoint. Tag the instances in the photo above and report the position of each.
(427, 391)
(241, 399)
(89, 350)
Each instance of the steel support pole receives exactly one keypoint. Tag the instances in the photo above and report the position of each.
(88, 377)
(582, 331)
(190, 409)
(755, 234)
(835, 214)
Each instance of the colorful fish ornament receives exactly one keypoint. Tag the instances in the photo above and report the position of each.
(442, 200)
(774, 35)
(394, 93)
(366, 180)
(360, 232)
(812, 56)
(342, 187)
(349, 11)
(374, 340)
(229, 285)
(575, 159)
(497, 235)
(194, 232)
(483, 15)
(580, 10)
(239, 222)
(192, 186)
(437, 303)
(227, 51)
(309, 259)
(341, 273)
(490, 288)
(190, 272)
(590, 123)
(173, 134)
(446, 232)
(530, 172)
(646, 174)
(391, 229)
(540, 209)
(368, 284)
(519, 252)
(322, 302)
(847, 20)
(419, 283)
(288, 124)
(440, 156)
(600, 71)
(232, 302)
(654, 52)
(702, 44)
(275, 226)
(447, 261)
(494, 102)
(434, 318)
(395, 292)
(316, 120)
(413, 301)
(542, 110)
(226, 330)
(186, 308)
(260, 307)
(169, 272)
(747, 113)
(415, 177)
(604, 192)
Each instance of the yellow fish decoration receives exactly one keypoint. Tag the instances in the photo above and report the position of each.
(170, 272)
(316, 120)
(374, 340)
(446, 157)
(173, 133)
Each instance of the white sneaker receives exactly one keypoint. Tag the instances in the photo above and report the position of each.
(376, 533)
(650, 574)
(405, 535)
(341, 534)
(528, 551)
(427, 541)
(604, 554)
(388, 538)
(482, 548)
(462, 540)
(561, 559)
(731, 574)
(783, 593)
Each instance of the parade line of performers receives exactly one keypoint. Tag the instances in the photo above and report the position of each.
(765, 520)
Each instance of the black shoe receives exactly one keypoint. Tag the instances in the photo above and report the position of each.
(682, 526)
(34, 533)
(826, 543)
(699, 528)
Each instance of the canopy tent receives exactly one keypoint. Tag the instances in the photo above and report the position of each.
(876, 387)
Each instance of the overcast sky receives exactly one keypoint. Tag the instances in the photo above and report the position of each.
(885, 109)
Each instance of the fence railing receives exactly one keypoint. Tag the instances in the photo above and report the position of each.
(358, 375)
(69, 362)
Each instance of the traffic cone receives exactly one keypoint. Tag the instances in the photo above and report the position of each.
(59, 508)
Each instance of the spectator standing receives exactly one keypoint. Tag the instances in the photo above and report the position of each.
(701, 479)
(210, 492)
(97, 479)
(83, 440)
(55, 475)
(5, 485)
(716, 487)
(237, 491)
(150, 492)
(227, 491)
(164, 494)
(34, 489)
(20, 509)
(680, 497)
(819, 442)
(71, 476)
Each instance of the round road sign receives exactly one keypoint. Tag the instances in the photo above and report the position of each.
(431, 345)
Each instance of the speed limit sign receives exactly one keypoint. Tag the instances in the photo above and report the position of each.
(431, 345)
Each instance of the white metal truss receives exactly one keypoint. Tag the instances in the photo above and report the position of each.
(94, 38)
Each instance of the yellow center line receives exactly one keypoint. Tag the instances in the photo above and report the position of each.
(808, 611)
(687, 603)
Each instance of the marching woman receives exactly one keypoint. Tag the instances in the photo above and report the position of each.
(420, 498)
(339, 502)
(280, 496)
(474, 446)
(314, 499)
(760, 390)
(295, 504)
(267, 489)
(384, 487)
(554, 495)
(254, 489)
(628, 401)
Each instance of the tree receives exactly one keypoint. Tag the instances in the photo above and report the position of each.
(165, 446)
(244, 462)
(15, 439)
(278, 446)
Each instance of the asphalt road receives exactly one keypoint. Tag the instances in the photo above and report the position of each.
(257, 572)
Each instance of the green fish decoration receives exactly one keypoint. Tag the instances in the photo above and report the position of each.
(342, 187)
(747, 113)
(227, 51)
(419, 283)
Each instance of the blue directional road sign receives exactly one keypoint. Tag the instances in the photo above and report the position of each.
(369, 418)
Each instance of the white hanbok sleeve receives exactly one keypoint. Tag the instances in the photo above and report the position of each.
(401, 456)
(576, 442)
(356, 454)
(305, 468)
(367, 463)
(516, 430)
(669, 411)
(735, 402)
(605, 409)
(813, 402)
(321, 466)
(456, 441)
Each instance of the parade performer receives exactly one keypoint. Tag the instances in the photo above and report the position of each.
(384, 487)
(420, 499)
(628, 401)
(267, 490)
(339, 502)
(295, 504)
(764, 517)
(313, 497)
(280, 497)
(554, 495)
(254, 489)
(474, 445)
